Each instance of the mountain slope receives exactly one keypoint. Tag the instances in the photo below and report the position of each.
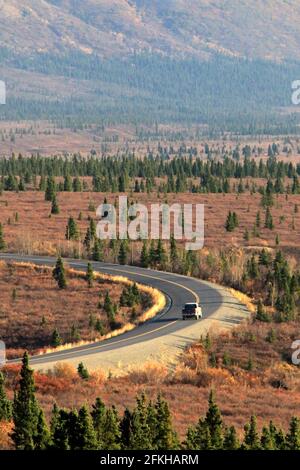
(268, 29)
(223, 62)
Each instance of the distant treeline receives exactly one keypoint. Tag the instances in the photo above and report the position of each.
(160, 172)
(227, 94)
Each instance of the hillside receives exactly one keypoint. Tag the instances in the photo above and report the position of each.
(139, 61)
(268, 30)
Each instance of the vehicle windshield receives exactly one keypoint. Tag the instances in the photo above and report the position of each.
(190, 306)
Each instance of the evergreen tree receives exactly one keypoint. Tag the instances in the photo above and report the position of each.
(293, 436)
(165, 438)
(261, 314)
(173, 253)
(122, 257)
(214, 423)
(109, 308)
(98, 250)
(251, 438)
(59, 274)
(60, 429)
(93, 228)
(160, 254)
(50, 189)
(152, 254)
(86, 438)
(72, 230)
(90, 275)
(98, 416)
(42, 438)
(144, 256)
(267, 440)
(82, 371)
(269, 220)
(54, 208)
(2, 241)
(139, 438)
(111, 430)
(5, 404)
(56, 339)
(126, 429)
(67, 183)
(26, 411)
(88, 239)
(231, 441)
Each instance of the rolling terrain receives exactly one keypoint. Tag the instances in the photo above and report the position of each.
(134, 61)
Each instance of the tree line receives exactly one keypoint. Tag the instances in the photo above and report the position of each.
(127, 172)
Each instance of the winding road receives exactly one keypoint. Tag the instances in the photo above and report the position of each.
(161, 339)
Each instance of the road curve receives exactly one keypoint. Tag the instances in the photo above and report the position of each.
(160, 339)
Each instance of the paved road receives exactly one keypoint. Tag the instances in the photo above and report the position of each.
(161, 338)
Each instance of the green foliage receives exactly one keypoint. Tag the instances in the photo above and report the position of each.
(59, 275)
(5, 404)
(82, 371)
(90, 275)
(72, 232)
(56, 339)
(30, 430)
(2, 241)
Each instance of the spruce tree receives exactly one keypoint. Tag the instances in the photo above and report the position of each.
(72, 230)
(139, 438)
(111, 430)
(58, 274)
(82, 371)
(126, 429)
(165, 438)
(231, 441)
(2, 241)
(214, 422)
(56, 339)
(50, 189)
(267, 440)
(122, 257)
(26, 411)
(98, 250)
(88, 240)
(251, 438)
(173, 253)
(98, 416)
(269, 220)
(67, 183)
(293, 436)
(54, 207)
(85, 433)
(152, 254)
(144, 256)
(90, 275)
(160, 253)
(109, 308)
(42, 438)
(5, 404)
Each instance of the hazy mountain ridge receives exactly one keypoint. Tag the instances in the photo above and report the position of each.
(259, 28)
(149, 60)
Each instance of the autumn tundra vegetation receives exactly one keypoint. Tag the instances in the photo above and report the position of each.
(147, 426)
(251, 245)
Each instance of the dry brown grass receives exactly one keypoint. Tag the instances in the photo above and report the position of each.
(37, 233)
(32, 307)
